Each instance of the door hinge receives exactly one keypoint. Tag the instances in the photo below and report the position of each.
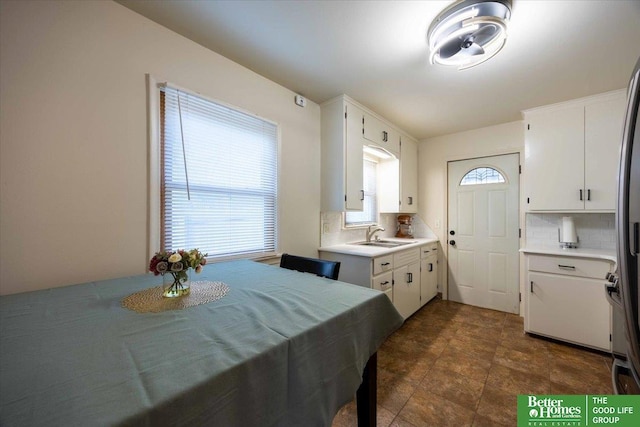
(519, 296)
(345, 197)
(520, 233)
(610, 338)
(528, 126)
(520, 169)
(527, 200)
(345, 114)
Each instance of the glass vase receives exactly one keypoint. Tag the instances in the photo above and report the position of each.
(176, 284)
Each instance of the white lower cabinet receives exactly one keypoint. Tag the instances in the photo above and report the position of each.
(565, 299)
(408, 277)
(428, 273)
(406, 281)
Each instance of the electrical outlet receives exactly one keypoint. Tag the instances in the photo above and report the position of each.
(326, 228)
(437, 223)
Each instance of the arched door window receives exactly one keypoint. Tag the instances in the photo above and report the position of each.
(482, 175)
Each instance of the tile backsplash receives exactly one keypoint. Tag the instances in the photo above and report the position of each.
(332, 232)
(594, 230)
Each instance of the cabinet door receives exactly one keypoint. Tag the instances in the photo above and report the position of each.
(354, 189)
(428, 282)
(378, 133)
(603, 137)
(554, 159)
(570, 308)
(406, 289)
(408, 176)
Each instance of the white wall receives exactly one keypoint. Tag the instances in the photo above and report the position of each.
(433, 155)
(73, 139)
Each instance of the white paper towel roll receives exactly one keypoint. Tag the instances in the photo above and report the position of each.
(568, 230)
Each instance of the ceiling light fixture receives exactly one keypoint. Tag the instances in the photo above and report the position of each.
(469, 32)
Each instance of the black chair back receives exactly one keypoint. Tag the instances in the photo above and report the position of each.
(320, 267)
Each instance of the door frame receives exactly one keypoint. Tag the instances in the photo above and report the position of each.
(444, 273)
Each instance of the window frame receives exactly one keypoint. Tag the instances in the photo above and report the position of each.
(154, 229)
(500, 173)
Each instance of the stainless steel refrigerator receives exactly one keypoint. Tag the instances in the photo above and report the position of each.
(623, 289)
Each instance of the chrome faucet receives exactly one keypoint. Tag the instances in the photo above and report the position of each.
(371, 230)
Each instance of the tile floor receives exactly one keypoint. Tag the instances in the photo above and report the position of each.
(457, 365)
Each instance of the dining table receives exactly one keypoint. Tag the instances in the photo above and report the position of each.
(270, 347)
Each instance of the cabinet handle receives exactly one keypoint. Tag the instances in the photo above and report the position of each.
(531, 288)
(589, 195)
(430, 266)
(361, 194)
(384, 264)
(409, 277)
(581, 194)
(410, 200)
(386, 282)
(566, 267)
(385, 136)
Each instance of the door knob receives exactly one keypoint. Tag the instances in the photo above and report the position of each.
(453, 233)
(452, 242)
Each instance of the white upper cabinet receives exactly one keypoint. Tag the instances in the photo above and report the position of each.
(554, 158)
(398, 179)
(571, 154)
(341, 134)
(603, 136)
(380, 134)
(347, 127)
(408, 175)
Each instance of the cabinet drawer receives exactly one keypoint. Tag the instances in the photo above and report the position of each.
(429, 250)
(570, 266)
(406, 257)
(383, 282)
(382, 263)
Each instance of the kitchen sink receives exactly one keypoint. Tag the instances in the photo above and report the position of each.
(383, 243)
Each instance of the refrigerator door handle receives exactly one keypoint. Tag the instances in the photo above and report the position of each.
(618, 364)
(614, 300)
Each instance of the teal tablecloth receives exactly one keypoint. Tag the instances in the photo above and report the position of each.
(283, 348)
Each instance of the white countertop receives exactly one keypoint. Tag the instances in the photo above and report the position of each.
(373, 251)
(606, 254)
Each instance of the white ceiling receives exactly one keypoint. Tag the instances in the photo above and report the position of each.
(376, 52)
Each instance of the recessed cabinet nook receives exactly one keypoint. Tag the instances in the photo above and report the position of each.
(572, 152)
(347, 128)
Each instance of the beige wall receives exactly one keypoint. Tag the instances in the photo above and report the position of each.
(73, 139)
(433, 156)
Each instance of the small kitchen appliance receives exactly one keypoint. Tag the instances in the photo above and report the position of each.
(405, 229)
(623, 287)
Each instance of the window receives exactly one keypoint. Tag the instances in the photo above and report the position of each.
(369, 214)
(218, 177)
(482, 176)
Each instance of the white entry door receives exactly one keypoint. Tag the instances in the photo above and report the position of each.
(483, 232)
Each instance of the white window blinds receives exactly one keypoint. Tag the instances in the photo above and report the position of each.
(369, 214)
(218, 177)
